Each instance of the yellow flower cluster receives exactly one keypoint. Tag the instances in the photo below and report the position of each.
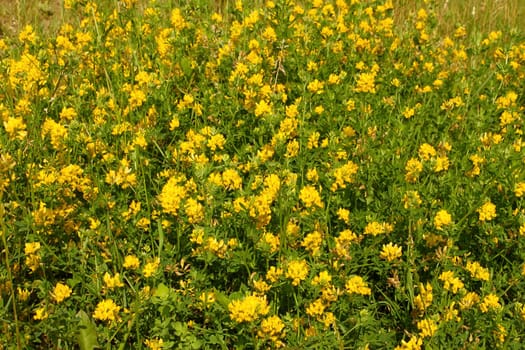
(487, 211)
(310, 197)
(477, 271)
(312, 242)
(273, 329)
(61, 292)
(490, 302)
(248, 309)
(424, 299)
(390, 252)
(442, 219)
(297, 271)
(357, 285)
(31, 252)
(451, 282)
(375, 228)
(107, 310)
(295, 153)
(427, 327)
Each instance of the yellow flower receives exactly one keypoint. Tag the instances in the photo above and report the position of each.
(390, 252)
(194, 210)
(273, 241)
(106, 310)
(413, 344)
(292, 149)
(426, 151)
(137, 97)
(477, 271)
(262, 108)
(500, 333)
(356, 285)
(442, 218)
(313, 140)
(154, 344)
(413, 168)
(216, 142)
(112, 282)
(490, 302)
(23, 294)
(297, 271)
(171, 196)
(61, 292)
(248, 309)
(310, 197)
(487, 211)
(316, 308)
(328, 319)
(207, 298)
(451, 313)
(273, 274)
(231, 180)
(312, 242)
(411, 199)
(272, 328)
(344, 214)
(375, 228)
(177, 20)
(519, 189)
(322, 279)
(16, 128)
(57, 132)
(33, 262)
(131, 262)
(451, 282)
(174, 123)
(151, 267)
(468, 300)
(344, 175)
(442, 164)
(40, 314)
(427, 327)
(350, 105)
(334, 79)
(366, 83)
(315, 87)
(261, 287)
(31, 248)
(424, 299)
(28, 34)
(312, 175)
(68, 113)
(343, 241)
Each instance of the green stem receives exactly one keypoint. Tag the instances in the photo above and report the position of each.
(9, 274)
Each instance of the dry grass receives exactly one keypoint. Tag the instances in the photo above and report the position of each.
(477, 16)
(15, 14)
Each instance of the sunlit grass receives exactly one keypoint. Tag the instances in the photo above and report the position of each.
(479, 17)
(333, 174)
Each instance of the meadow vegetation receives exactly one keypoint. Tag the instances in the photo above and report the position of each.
(326, 174)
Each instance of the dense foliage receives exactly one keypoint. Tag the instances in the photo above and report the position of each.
(288, 174)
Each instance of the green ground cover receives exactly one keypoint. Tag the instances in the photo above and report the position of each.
(315, 174)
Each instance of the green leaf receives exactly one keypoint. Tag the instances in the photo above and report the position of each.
(181, 329)
(162, 291)
(222, 299)
(185, 64)
(87, 333)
